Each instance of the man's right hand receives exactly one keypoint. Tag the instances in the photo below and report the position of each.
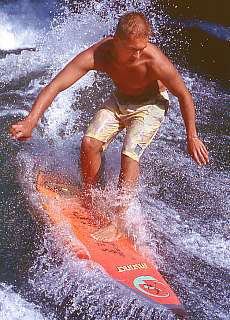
(22, 130)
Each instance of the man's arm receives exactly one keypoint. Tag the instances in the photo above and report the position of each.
(74, 70)
(170, 77)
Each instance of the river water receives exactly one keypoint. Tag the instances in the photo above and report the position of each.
(181, 212)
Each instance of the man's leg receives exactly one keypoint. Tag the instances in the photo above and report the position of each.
(141, 129)
(128, 180)
(91, 150)
(102, 129)
(129, 173)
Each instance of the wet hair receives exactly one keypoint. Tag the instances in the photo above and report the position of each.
(133, 25)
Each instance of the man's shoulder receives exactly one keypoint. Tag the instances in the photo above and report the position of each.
(102, 46)
(156, 57)
(102, 52)
(99, 46)
(154, 53)
(97, 53)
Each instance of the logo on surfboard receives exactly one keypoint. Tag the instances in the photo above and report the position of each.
(131, 267)
(151, 286)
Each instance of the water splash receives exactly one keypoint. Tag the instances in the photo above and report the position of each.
(14, 307)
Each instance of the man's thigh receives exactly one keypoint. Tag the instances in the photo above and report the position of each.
(141, 130)
(105, 125)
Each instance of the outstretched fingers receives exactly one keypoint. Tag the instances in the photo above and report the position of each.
(196, 158)
(198, 152)
(204, 154)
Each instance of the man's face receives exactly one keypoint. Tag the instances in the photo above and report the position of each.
(129, 50)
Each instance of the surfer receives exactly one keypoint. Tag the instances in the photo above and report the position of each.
(142, 74)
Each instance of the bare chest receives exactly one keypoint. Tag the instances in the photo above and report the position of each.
(129, 78)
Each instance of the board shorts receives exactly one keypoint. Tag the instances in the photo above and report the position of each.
(140, 119)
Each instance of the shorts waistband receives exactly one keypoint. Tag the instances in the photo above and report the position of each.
(122, 99)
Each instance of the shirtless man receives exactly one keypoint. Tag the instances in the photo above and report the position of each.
(141, 74)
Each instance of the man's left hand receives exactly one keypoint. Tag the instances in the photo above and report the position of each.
(197, 150)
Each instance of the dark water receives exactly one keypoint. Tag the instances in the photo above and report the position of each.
(182, 211)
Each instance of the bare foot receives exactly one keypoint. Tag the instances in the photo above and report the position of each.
(97, 218)
(109, 233)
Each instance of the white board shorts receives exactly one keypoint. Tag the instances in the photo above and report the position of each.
(141, 121)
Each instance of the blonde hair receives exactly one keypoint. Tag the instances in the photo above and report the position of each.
(133, 24)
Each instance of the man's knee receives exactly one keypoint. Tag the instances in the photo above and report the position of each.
(90, 145)
(128, 160)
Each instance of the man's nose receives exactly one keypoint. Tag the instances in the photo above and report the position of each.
(137, 54)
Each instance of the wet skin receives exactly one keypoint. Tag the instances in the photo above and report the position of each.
(128, 63)
(137, 68)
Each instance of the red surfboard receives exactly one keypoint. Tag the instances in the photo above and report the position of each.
(119, 259)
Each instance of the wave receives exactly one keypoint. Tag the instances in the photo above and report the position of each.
(23, 23)
(219, 31)
(13, 306)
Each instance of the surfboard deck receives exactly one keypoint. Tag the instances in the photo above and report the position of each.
(119, 259)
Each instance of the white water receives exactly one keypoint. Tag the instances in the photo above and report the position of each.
(14, 307)
(23, 23)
